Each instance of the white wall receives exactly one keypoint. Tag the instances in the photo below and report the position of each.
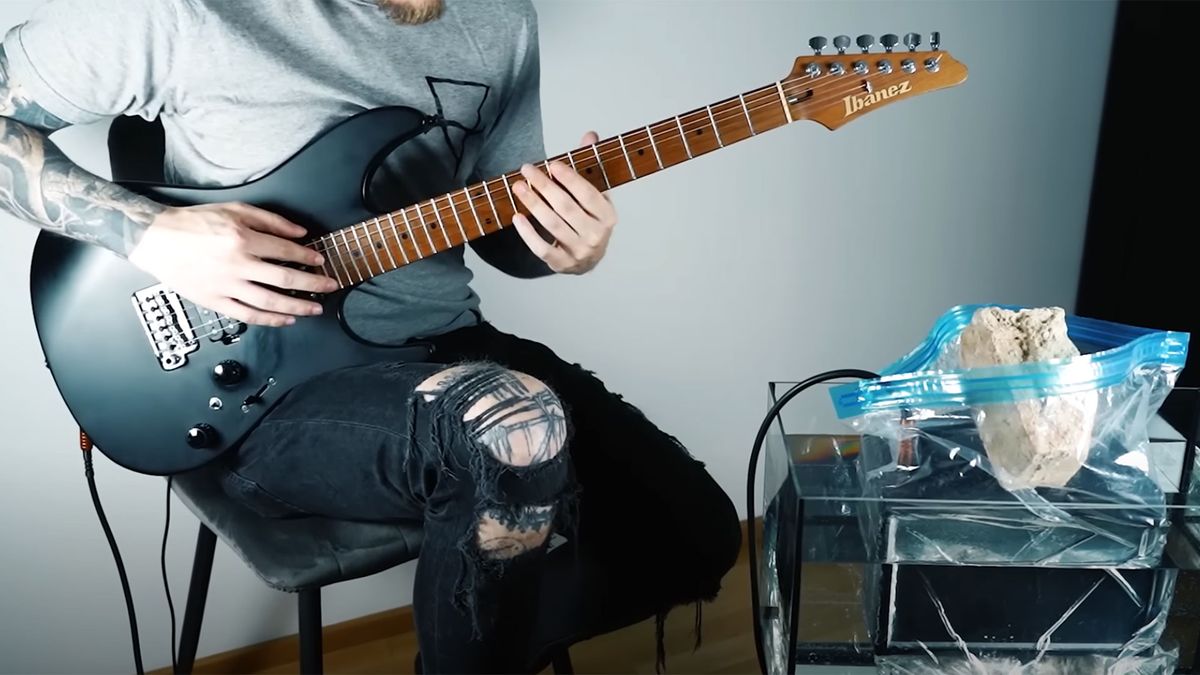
(783, 256)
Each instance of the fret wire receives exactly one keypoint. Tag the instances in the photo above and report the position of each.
(375, 251)
(332, 269)
(438, 213)
(454, 210)
(628, 162)
(471, 201)
(508, 189)
(600, 162)
(330, 260)
(787, 109)
(337, 247)
(653, 146)
(399, 239)
(487, 190)
(716, 131)
(366, 260)
(360, 251)
(383, 238)
(683, 136)
(331, 239)
(411, 237)
(350, 252)
(421, 217)
(746, 110)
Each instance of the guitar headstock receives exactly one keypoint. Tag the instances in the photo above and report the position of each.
(835, 88)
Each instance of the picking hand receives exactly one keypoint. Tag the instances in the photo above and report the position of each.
(572, 210)
(214, 254)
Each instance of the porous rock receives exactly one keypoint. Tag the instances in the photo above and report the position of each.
(1039, 442)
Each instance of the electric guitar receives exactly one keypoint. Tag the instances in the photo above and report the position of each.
(164, 386)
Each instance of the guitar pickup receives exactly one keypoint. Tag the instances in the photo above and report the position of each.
(219, 327)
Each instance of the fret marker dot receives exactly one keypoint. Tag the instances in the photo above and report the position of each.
(404, 235)
(589, 170)
(699, 132)
(641, 152)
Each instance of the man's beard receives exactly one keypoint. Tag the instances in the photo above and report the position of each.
(411, 12)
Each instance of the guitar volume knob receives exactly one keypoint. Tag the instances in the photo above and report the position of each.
(202, 436)
(229, 373)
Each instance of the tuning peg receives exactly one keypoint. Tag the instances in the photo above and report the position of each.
(935, 40)
(841, 42)
(912, 41)
(865, 41)
(818, 43)
(889, 41)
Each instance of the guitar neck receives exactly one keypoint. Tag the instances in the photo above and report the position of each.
(392, 240)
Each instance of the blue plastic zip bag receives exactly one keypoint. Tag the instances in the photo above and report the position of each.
(1052, 446)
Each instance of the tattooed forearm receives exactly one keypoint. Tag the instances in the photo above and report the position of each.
(40, 184)
(15, 105)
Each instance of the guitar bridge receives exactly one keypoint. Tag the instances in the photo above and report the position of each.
(164, 319)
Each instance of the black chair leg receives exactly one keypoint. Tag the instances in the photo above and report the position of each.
(562, 662)
(311, 661)
(206, 543)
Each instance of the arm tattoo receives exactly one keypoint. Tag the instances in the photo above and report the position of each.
(40, 184)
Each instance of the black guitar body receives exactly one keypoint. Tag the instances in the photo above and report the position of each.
(174, 408)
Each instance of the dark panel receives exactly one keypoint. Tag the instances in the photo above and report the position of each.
(1140, 262)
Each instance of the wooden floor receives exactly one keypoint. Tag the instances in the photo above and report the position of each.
(728, 645)
(831, 594)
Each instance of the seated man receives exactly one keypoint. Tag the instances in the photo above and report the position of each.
(492, 443)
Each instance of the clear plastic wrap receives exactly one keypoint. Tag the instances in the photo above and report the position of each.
(1016, 621)
(1039, 463)
(1161, 662)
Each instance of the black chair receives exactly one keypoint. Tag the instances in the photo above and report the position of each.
(296, 555)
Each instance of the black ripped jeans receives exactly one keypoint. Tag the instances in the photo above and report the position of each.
(647, 528)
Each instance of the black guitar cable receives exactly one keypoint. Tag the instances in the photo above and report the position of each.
(166, 584)
(752, 472)
(85, 444)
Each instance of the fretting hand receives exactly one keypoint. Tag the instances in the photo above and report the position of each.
(218, 256)
(578, 216)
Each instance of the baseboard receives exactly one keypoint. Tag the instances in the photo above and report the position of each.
(282, 651)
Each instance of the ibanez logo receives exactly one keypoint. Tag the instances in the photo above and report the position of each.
(855, 103)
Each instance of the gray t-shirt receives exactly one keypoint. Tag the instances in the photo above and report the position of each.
(242, 85)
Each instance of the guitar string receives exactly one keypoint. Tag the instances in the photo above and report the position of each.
(763, 98)
(766, 97)
(454, 204)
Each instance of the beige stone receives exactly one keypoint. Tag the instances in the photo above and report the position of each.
(1037, 442)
